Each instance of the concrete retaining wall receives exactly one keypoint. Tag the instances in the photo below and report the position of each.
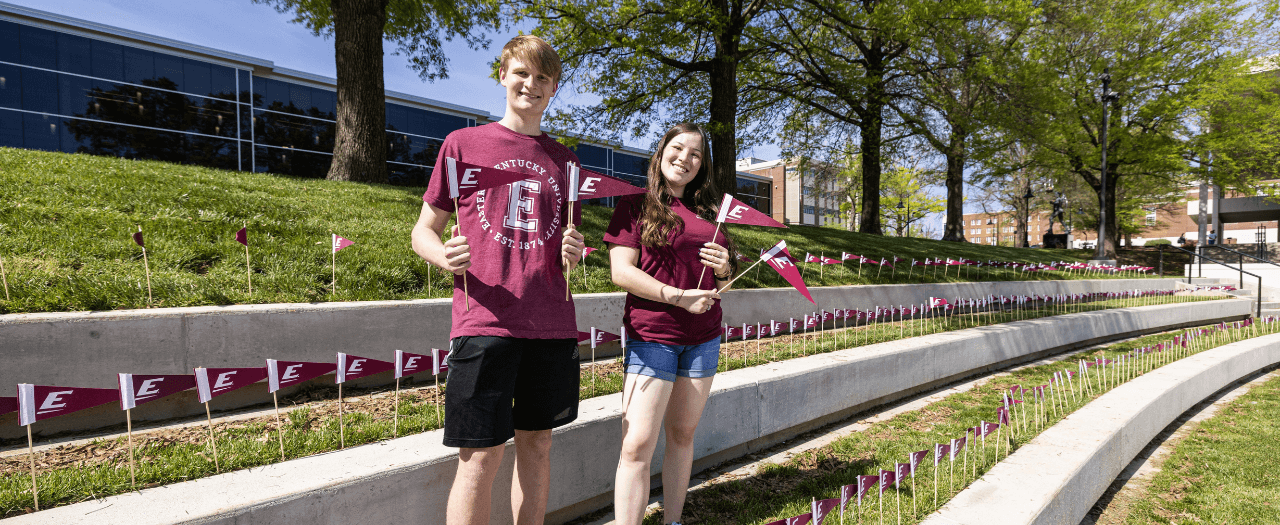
(408, 479)
(87, 349)
(1061, 474)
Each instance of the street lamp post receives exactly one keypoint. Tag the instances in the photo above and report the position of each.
(1026, 225)
(1107, 97)
(906, 217)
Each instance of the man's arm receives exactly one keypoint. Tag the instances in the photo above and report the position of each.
(453, 255)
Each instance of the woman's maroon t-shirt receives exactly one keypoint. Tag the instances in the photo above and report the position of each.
(676, 264)
(516, 277)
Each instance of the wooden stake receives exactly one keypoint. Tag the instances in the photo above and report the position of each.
(457, 230)
(342, 421)
(31, 453)
(248, 270)
(704, 267)
(395, 425)
(128, 417)
(279, 426)
(212, 440)
(4, 278)
(584, 273)
(145, 265)
(439, 418)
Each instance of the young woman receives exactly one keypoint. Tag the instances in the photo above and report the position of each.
(660, 243)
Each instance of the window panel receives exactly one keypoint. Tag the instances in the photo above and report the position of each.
(169, 72)
(211, 152)
(10, 128)
(324, 104)
(246, 86)
(39, 47)
(397, 119)
(292, 162)
(195, 77)
(288, 131)
(75, 96)
(412, 149)
(278, 96)
(246, 123)
(300, 97)
(222, 82)
(10, 86)
(108, 60)
(10, 43)
(40, 91)
(74, 55)
(139, 65)
(40, 132)
(402, 175)
(593, 156)
(440, 125)
(630, 165)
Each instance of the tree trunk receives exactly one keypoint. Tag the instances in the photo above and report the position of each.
(724, 111)
(1113, 225)
(360, 145)
(954, 229)
(1021, 231)
(871, 123)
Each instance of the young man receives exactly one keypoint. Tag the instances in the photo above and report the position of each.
(513, 366)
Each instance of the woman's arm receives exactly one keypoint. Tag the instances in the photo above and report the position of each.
(622, 263)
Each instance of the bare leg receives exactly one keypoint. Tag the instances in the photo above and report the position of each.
(472, 492)
(644, 400)
(683, 412)
(532, 477)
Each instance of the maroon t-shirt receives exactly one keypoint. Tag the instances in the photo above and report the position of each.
(676, 264)
(516, 279)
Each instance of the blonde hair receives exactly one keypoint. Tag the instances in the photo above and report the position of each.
(533, 51)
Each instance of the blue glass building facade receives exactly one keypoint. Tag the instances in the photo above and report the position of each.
(80, 87)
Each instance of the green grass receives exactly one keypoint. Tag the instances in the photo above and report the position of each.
(162, 462)
(66, 221)
(1225, 471)
(786, 489)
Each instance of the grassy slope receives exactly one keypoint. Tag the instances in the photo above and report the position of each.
(65, 222)
(1225, 471)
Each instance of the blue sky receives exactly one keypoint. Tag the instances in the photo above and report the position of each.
(256, 30)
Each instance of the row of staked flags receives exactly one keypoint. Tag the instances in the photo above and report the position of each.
(39, 402)
(935, 305)
(1063, 387)
(1023, 266)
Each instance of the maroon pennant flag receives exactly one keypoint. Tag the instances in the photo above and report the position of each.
(213, 382)
(900, 472)
(734, 211)
(583, 337)
(466, 178)
(38, 402)
(887, 477)
(731, 332)
(864, 484)
(827, 316)
(439, 361)
(137, 238)
(8, 404)
(802, 519)
(781, 261)
(847, 493)
(940, 450)
(775, 327)
(1002, 415)
(747, 330)
(914, 458)
(823, 507)
(408, 363)
(959, 445)
(600, 336)
(795, 324)
(809, 258)
(287, 373)
(137, 389)
(828, 260)
(988, 427)
(242, 236)
(354, 367)
(592, 185)
(810, 321)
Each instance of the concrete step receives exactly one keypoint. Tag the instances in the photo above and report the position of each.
(1207, 280)
(1266, 304)
(1273, 312)
(1241, 293)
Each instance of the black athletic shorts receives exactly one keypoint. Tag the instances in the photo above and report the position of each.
(497, 385)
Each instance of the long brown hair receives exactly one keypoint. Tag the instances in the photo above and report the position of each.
(657, 218)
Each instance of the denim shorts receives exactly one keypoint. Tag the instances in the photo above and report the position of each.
(665, 361)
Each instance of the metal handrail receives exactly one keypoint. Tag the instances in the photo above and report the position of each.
(1211, 259)
(1241, 254)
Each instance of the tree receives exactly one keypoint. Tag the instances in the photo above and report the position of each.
(839, 65)
(655, 64)
(358, 28)
(904, 185)
(954, 62)
(1161, 55)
